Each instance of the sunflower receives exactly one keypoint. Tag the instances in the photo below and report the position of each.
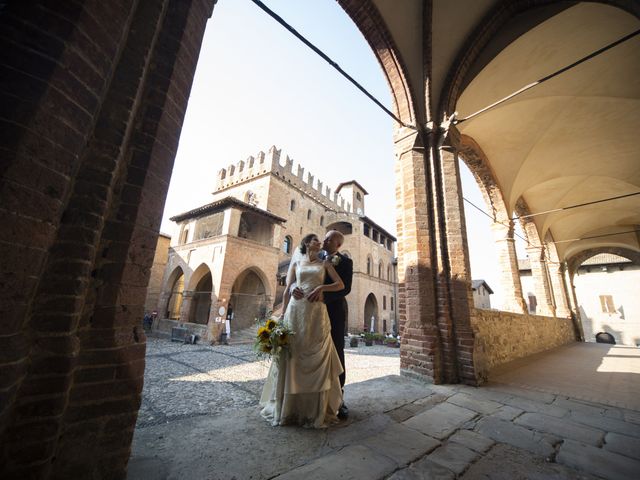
(271, 324)
(263, 333)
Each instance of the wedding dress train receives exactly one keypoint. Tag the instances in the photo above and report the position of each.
(304, 388)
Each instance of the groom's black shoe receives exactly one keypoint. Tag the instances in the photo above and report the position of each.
(343, 412)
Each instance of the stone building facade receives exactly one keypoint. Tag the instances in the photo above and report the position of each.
(228, 259)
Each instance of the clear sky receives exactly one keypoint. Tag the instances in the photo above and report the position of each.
(256, 86)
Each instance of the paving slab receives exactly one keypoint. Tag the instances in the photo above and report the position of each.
(517, 436)
(622, 444)
(472, 440)
(350, 432)
(600, 462)
(454, 457)
(423, 470)
(401, 444)
(576, 406)
(382, 394)
(607, 424)
(239, 444)
(504, 462)
(473, 403)
(355, 462)
(529, 405)
(440, 421)
(520, 391)
(507, 412)
(409, 410)
(561, 427)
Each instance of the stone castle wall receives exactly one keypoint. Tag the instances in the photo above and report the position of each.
(506, 336)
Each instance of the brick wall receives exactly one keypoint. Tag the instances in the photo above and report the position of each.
(505, 336)
(95, 108)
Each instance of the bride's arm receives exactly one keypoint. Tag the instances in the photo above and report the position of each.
(336, 286)
(291, 277)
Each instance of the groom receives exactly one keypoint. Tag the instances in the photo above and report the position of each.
(335, 301)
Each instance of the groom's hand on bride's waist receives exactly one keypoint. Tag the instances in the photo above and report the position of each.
(297, 293)
(315, 295)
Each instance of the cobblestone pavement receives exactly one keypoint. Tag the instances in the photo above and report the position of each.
(183, 380)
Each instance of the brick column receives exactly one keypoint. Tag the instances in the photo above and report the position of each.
(541, 285)
(99, 91)
(420, 349)
(556, 274)
(458, 273)
(510, 283)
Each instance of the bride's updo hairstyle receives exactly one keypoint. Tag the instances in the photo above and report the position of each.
(303, 244)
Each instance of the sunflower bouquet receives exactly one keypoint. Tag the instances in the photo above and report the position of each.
(272, 339)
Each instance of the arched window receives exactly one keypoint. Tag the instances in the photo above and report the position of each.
(384, 302)
(185, 235)
(309, 214)
(321, 221)
(380, 270)
(358, 196)
(293, 205)
(286, 246)
(389, 273)
(391, 303)
(368, 265)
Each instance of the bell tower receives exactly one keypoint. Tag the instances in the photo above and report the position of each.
(353, 193)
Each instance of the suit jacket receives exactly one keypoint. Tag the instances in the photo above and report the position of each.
(344, 269)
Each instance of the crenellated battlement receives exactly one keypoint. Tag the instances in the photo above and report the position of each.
(270, 162)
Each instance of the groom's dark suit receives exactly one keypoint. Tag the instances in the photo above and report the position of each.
(337, 306)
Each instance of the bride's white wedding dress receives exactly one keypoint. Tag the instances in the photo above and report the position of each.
(304, 388)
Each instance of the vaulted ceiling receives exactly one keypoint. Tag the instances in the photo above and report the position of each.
(571, 140)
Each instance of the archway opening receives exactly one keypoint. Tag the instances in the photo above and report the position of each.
(371, 315)
(201, 301)
(249, 300)
(606, 294)
(174, 303)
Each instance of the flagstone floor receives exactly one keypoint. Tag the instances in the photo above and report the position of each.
(571, 413)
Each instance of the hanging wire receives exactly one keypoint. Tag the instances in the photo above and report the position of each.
(596, 236)
(550, 76)
(577, 205)
(326, 58)
(491, 217)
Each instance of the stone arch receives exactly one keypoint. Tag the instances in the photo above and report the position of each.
(368, 20)
(371, 311)
(201, 291)
(175, 291)
(250, 298)
(574, 262)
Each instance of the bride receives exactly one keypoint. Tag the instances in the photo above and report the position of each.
(304, 388)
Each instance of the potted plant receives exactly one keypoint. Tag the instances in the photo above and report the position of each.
(378, 338)
(368, 338)
(353, 341)
(392, 342)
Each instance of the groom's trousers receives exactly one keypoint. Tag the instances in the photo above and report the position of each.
(337, 316)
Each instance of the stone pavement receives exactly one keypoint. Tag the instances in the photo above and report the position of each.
(199, 420)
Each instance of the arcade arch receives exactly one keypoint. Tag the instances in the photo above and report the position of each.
(249, 298)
